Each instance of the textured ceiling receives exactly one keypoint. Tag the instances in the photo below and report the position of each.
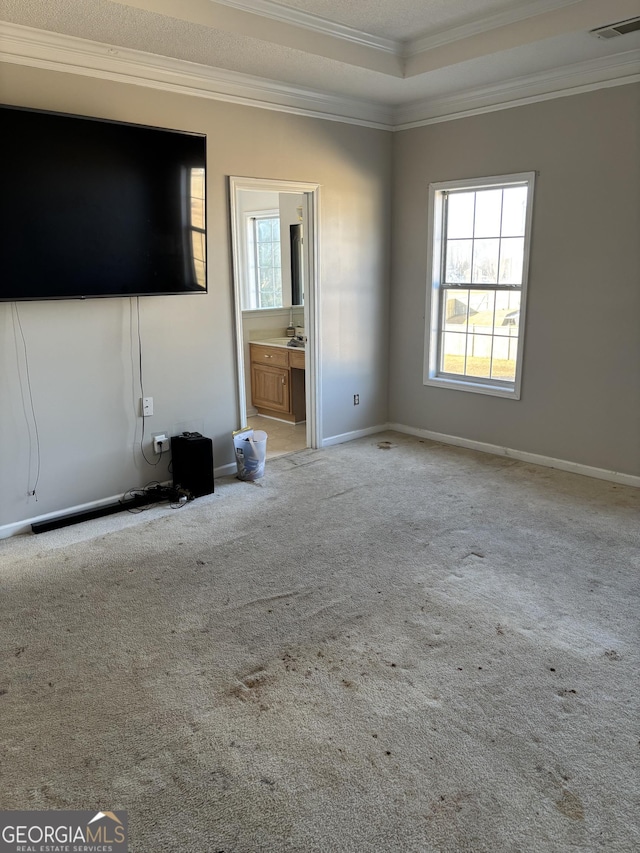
(515, 38)
(402, 19)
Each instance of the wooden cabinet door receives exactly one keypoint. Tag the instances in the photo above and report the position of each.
(270, 388)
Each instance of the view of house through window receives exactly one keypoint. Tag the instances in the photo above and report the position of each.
(478, 260)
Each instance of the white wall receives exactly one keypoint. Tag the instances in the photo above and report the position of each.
(580, 390)
(83, 355)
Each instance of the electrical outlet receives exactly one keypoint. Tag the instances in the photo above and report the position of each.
(147, 406)
(160, 442)
(356, 399)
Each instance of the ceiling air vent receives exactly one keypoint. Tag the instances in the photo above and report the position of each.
(619, 29)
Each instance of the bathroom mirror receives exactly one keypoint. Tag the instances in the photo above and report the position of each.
(270, 234)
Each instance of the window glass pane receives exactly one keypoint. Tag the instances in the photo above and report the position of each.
(485, 261)
(488, 209)
(276, 229)
(479, 356)
(266, 279)
(507, 320)
(264, 230)
(460, 214)
(456, 304)
(514, 208)
(505, 352)
(276, 255)
(458, 264)
(265, 254)
(511, 260)
(481, 311)
(452, 352)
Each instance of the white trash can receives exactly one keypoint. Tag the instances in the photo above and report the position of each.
(251, 451)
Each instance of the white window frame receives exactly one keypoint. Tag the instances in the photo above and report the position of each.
(252, 296)
(435, 250)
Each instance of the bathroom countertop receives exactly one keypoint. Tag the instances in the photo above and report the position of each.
(274, 342)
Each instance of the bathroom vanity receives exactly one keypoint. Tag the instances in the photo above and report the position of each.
(278, 379)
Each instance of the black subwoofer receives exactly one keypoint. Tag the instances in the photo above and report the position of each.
(192, 459)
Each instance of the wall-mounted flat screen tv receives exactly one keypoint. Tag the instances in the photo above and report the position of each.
(92, 208)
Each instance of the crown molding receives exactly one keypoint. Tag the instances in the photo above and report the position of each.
(69, 54)
(55, 52)
(309, 21)
(483, 25)
(561, 82)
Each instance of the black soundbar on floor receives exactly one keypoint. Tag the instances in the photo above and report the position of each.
(88, 514)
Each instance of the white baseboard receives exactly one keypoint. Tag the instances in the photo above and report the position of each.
(521, 455)
(225, 470)
(350, 436)
(24, 526)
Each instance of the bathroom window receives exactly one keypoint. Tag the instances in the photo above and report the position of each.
(265, 265)
(478, 262)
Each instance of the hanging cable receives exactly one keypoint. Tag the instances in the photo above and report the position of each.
(32, 491)
(142, 395)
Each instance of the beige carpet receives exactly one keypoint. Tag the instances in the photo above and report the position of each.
(406, 648)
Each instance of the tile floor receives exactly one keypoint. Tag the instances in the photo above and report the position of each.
(281, 437)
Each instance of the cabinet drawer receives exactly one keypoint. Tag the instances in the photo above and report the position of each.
(273, 356)
(296, 359)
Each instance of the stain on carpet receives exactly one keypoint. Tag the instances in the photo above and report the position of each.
(612, 654)
(570, 805)
(251, 687)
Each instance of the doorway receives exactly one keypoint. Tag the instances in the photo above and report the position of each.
(274, 228)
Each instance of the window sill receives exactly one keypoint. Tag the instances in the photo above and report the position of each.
(474, 387)
(274, 312)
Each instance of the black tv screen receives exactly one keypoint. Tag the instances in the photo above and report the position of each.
(92, 208)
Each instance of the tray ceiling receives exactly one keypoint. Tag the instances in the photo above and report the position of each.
(389, 63)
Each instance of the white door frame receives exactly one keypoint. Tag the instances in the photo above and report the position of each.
(311, 296)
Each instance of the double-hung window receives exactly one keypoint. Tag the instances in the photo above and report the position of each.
(478, 266)
(264, 267)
